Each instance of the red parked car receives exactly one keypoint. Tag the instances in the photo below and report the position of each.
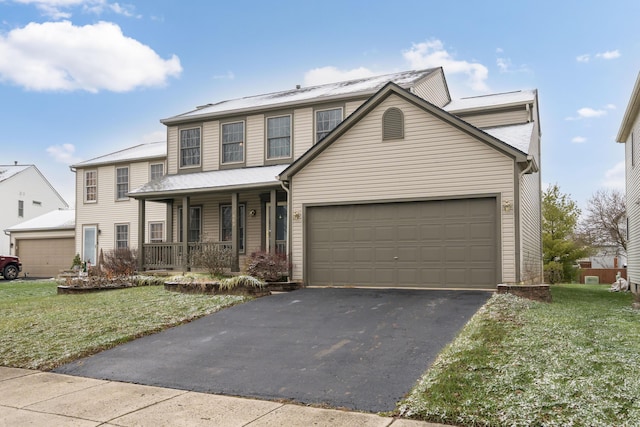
(10, 267)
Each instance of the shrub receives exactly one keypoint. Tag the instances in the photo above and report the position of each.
(212, 257)
(267, 266)
(77, 262)
(120, 262)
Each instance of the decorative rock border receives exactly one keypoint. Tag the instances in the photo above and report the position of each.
(540, 292)
(67, 290)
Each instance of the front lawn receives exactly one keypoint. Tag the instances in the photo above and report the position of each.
(41, 330)
(575, 362)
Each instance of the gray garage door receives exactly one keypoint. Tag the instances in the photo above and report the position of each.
(443, 244)
(45, 257)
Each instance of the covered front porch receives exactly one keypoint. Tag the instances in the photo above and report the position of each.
(238, 212)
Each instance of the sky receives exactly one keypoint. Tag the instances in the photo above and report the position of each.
(84, 78)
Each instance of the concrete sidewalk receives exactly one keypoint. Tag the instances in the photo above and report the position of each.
(44, 399)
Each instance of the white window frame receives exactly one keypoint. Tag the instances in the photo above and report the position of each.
(122, 187)
(154, 175)
(317, 122)
(224, 143)
(94, 186)
(183, 150)
(151, 232)
(117, 241)
(270, 138)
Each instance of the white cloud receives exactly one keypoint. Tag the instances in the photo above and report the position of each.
(614, 177)
(60, 9)
(63, 153)
(505, 66)
(611, 54)
(228, 76)
(318, 76)
(58, 56)
(610, 107)
(588, 113)
(583, 58)
(432, 54)
(579, 140)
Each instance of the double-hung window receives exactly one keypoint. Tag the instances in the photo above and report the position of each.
(156, 232)
(156, 171)
(226, 225)
(278, 137)
(20, 208)
(326, 121)
(122, 236)
(190, 147)
(195, 224)
(91, 186)
(233, 142)
(122, 183)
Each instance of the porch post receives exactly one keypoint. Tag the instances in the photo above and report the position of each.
(169, 216)
(272, 221)
(235, 233)
(185, 232)
(141, 231)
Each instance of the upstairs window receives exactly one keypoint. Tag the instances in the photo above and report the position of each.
(233, 142)
(156, 171)
(392, 124)
(91, 186)
(20, 208)
(278, 137)
(190, 147)
(326, 121)
(122, 183)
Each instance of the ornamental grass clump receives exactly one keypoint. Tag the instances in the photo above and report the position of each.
(241, 281)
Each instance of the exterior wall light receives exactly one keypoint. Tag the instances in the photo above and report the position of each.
(507, 205)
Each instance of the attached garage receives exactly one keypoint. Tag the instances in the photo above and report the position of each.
(45, 257)
(45, 244)
(444, 243)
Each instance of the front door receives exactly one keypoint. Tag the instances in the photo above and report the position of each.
(89, 243)
(281, 227)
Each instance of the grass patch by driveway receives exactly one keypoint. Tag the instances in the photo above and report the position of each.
(520, 363)
(41, 330)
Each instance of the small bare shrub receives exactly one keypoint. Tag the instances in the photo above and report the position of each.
(267, 266)
(120, 262)
(212, 257)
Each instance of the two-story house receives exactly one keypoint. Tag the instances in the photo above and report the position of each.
(106, 218)
(26, 194)
(629, 134)
(382, 181)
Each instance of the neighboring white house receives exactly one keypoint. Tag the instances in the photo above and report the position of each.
(629, 134)
(106, 218)
(381, 181)
(25, 194)
(45, 244)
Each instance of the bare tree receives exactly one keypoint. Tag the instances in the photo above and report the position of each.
(605, 220)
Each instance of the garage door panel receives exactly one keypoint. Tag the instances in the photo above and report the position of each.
(45, 257)
(450, 243)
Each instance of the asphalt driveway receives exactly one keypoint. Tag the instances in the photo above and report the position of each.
(360, 349)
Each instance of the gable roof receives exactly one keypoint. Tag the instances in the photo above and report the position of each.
(321, 93)
(8, 171)
(630, 113)
(205, 182)
(61, 219)
(389, 89)
(482, 102)
(146, 151)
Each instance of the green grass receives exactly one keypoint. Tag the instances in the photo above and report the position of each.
(41, 330)
(575, 362)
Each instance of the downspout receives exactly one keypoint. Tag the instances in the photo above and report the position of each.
(528, 169)
(284, 185)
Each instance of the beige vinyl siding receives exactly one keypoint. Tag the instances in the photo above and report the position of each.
(254, 135)
(433, 89)
(302, 131)
(172, 150)
(210, 145)
(531, 230)
(107, 211)
(350, 107)
(434, 160)
(497, 118)
(633, 206)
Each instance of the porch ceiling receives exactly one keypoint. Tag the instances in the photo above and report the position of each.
(219, 180)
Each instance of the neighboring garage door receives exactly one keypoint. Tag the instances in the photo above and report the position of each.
(45, 257)
(443, 244)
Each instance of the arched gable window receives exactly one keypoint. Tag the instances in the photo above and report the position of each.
(392, 124)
